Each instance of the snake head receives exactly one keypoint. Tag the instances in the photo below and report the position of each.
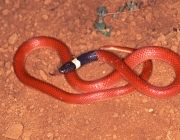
(78, 62)
(67, 67)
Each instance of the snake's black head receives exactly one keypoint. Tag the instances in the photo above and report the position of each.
(67, 67)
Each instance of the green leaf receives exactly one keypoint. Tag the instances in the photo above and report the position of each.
(121, 9)
(131, 9)
(129, 3)
(133, 3)
(102, 11)
(110, 28)
(100, 26)
(108, 34)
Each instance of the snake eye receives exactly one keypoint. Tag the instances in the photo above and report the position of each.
(67, 67)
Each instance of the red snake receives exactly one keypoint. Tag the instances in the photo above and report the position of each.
(100, 89)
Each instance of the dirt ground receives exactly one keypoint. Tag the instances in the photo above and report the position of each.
(27, 114)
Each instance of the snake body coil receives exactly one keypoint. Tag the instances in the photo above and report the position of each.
(101, 88)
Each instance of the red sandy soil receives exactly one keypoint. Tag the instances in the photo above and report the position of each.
(27, 114)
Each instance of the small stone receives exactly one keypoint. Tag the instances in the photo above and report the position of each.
(50, 135)
(5, 12)
(162, 39)
(114, 137)
(115, 128)
(32, 107)
(13, 38)
(27, 135)
(132, 23)
(8, 72)
(94, 33)
(150, 110)
(157, 43)
(115, 115)
(1, 63)
(43, 75)
(46, 2)
(7, 2)
(14, 131)
(158, 137)
(88, 31)
(118, 32)
(45, 17)
(174, 48)
(144, 101)
(123, 17)
(130, 18)
(149, 17)
(171, 111)
(138, 36)
(8, 65)
(41, 110)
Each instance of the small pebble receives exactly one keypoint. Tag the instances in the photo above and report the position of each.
(46, 2)
(118, 32)
(130, 18)
(144, 101)
(132, 23)
(7, 2)
(5, 12)
(8, 65)
(149, 17)
(27, 135)
(45, 17)
(150, 110)
(43, 75)
(123, 17)
(115, 115)
(174, 48)
(171, 111)
(13, 38)
(8, 72)
(14, 131)
(50, 135)
(114, 137)
(158, 138)
(2, 63)
(138, 36)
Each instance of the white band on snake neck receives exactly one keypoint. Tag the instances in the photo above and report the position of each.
(76, 62)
